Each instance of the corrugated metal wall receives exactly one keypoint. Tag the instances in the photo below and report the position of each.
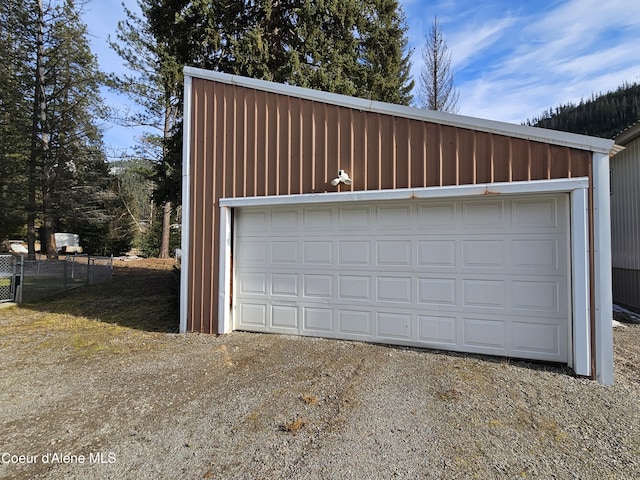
(246, 142)
(625, 225)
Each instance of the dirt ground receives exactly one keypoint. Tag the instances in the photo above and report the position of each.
(95, 385)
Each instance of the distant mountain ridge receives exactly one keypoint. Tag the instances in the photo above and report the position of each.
(602, 116)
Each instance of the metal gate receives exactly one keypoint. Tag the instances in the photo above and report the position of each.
(7, 278)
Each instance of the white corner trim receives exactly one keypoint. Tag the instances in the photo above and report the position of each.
(225, 324)
(538, 186)
(602, 270)
(572, 140)
(580, 311)
(186, 207)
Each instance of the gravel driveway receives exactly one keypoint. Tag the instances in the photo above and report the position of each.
(168, 406)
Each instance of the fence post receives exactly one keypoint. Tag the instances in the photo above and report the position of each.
(64, 274)
(19, 288)
(88, 268)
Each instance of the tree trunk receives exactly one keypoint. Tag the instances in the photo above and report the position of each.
(37, 133)
(166, 230)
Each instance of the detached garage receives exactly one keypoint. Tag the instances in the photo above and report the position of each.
(318, 214)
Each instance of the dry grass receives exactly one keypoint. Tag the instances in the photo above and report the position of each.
(293, 426)
(310, 399)
(115, 317)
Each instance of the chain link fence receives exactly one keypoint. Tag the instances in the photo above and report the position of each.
(36, 279)
(7, 278)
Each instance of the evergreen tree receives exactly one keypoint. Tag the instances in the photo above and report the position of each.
(437, 88)
(601, 116)
(16, 90)
(57, 88)
(323, 44)
(386, 66)
(155, 85)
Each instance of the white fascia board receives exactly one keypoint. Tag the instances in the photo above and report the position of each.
(224, 291)
(537, 186)
(186, 207)
(602, 270)
(572, 140)
(580, 304)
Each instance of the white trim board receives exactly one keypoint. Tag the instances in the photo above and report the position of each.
(512, 188)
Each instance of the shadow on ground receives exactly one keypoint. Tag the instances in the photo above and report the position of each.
(144, 297)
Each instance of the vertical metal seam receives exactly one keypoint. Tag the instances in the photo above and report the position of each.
(492, 157)
(457, 132)
(394, 153)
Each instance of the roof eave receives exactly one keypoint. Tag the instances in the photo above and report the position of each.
(571, 140)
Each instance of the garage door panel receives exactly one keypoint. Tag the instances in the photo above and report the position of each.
(317, 286)
(354, 252)
(538, 254)
(253, 222)
(253, 314)
(355, 322)
(544, 341)
(284, 252)
(284, 284)
(285, 220)
(318, 252)
(537, 214)
(465, 275)
(536, 295)
(318, 320)
(484, 334)
(483, 215)
(484, 293)
(318, 219)
(354, 218)
(436, 253)
(393, 289)
(285, 317)
(354, 287)
(435, 216)
(393, 218)
(437, 331)
(394, 326)
(252, 252)
(393, 253)
(437, 291)
(484, 253)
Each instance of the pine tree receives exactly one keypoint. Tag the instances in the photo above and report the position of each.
(603, 115)
(16, 89)
(57, 83)
(385, 62)
(154, 84)
(437, 88)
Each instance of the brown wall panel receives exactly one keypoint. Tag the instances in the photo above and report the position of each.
(433, 159)
(484, 157)
(501, 160)
(467, 163)
(373, 152)
(521, 160)
(402, 161)
(360, 151)
(253, 143)
(539, 154)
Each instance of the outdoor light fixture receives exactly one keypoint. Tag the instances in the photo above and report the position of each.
(343, 177)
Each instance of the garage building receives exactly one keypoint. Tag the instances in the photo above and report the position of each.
(318, 214)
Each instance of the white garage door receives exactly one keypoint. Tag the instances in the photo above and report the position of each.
(486, 275)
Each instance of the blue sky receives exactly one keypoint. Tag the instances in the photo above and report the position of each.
(513, 59)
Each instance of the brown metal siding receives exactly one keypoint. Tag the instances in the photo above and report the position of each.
(246, 142)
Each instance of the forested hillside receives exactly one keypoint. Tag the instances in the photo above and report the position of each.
(602, 116)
